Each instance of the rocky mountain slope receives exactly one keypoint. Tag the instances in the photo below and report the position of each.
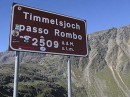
(105, 72)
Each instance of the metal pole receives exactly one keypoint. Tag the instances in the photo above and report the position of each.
(69, 76)
(15, 92)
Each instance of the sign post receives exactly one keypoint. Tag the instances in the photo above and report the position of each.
(35, 30)
(16, 73)
(69, 76)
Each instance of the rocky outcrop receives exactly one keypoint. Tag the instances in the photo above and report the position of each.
(109, 49)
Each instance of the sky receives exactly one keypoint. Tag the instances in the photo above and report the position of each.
(100, 14)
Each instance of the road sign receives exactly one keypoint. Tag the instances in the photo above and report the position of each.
(36, 30)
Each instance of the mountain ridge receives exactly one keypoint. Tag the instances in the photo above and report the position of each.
(105, 72)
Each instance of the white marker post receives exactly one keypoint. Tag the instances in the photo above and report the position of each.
(69, 76)
(15, 92)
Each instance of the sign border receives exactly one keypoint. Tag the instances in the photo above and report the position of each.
(12, 17)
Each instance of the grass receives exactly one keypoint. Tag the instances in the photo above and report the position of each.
(112, 90)
(126, 78)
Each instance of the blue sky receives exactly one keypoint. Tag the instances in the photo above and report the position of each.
(100, 14)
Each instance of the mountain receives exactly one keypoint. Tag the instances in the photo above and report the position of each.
(105, 72)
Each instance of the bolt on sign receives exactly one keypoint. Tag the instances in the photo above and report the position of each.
(36, 30)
